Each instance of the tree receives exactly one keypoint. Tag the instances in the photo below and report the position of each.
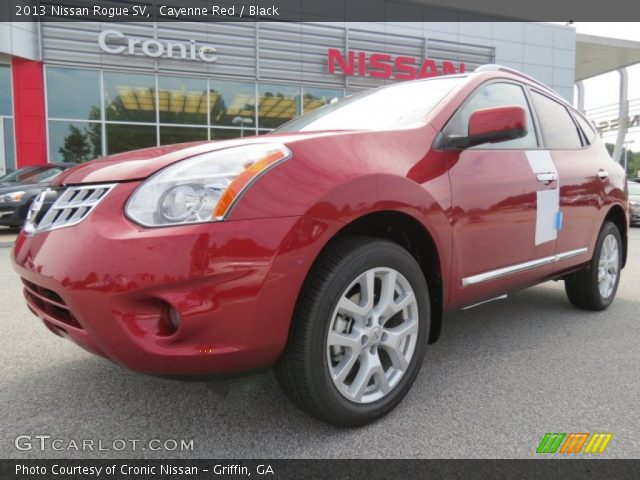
(94, 132)
(76, 146)
(633, 159)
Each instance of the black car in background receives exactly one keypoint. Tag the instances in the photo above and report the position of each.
(634, 200)
(19, 188)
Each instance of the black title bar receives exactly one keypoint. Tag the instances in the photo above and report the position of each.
(316, 10)
(318, 469)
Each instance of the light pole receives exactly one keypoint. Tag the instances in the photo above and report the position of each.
(242, 121)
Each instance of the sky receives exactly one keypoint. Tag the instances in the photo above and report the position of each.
(603, 90)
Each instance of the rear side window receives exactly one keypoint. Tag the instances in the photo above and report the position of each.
(586, 127)
(558, 128)
(494, 95)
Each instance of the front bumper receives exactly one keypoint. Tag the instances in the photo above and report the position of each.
(110, 286)
(12, 215)
(634, 214)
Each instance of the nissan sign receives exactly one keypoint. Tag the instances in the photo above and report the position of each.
(116, 42)
(614, 124)
(383, 65)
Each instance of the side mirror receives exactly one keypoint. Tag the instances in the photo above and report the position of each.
(492, 125)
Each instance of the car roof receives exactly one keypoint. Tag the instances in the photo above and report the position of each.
(50, 165)
(63, 164)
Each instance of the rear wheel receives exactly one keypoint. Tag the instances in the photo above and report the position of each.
(359, 332)
(594, 287)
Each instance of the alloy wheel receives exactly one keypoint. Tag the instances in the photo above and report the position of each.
(372, 335)
(608, 266)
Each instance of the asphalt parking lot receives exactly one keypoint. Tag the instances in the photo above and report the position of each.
(501, 376)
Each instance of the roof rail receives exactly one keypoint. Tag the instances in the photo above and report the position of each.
(494, 67)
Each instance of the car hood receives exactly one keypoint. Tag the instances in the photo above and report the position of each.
(22, 187)
(139, 164)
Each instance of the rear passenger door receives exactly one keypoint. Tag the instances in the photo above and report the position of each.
(581, 189)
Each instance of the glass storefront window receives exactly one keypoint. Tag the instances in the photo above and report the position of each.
(226, 133)
(169, 135)
(122, 138)
(232, 103)
(314, 97)
(182, 100)
(277, 104)
(129, 97)
(74, 141)
(132, 113)
(351, 91)
(73, 94)
(9, 145)
(5, 90)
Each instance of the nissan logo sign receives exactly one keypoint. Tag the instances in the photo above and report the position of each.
(116, 42)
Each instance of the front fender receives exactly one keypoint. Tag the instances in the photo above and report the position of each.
(377, 193)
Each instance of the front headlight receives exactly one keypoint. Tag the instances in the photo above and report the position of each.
(634, 204)
(202, 188)
(13, 197)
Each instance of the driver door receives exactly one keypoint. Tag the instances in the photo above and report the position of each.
(500, 241)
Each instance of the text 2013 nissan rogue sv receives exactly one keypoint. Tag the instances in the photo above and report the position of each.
(331, 247)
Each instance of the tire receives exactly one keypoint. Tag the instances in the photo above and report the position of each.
(584, 287)
(360, 331)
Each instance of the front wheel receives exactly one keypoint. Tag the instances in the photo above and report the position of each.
(359, 332)
(594, 287)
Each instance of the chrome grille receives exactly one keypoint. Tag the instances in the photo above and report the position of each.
(71, 207)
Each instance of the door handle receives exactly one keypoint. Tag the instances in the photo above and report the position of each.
(602, 174)
(547, 177)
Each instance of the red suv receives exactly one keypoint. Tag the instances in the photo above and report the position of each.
(332, 247)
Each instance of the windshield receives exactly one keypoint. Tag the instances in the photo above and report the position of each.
(49, 175)
(29, 174)
(634, 188)
(397, 106)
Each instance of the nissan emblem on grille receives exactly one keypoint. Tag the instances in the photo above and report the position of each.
(30, 223)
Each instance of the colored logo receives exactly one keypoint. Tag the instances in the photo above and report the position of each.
(574, 442)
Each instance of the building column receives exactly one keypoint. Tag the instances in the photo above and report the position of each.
(580, 87)
(623, 114)
(29, 112)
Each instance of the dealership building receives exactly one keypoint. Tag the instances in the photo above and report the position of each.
(72, 91)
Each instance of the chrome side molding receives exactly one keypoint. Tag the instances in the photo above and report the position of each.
(520, 267)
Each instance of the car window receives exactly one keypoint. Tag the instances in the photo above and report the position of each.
(26, 175)
(13, 176)
(558, 129)
(495, 95)
(586, 126)
(49, 175)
